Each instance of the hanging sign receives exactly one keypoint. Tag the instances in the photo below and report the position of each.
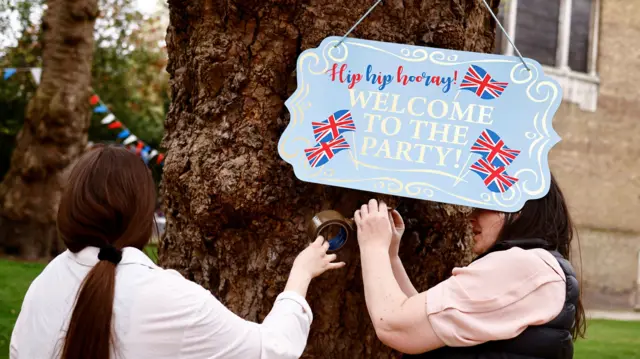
(450, 126)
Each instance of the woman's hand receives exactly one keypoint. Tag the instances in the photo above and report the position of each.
(374, 227)
(310, 263)
(397, 230)
(314, 259)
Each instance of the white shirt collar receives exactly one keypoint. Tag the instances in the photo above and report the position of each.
(130, 255)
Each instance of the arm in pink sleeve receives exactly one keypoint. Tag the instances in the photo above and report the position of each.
(496, 297)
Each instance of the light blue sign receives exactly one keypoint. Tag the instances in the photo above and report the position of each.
(449, 126)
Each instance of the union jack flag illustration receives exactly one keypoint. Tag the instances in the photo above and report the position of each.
(336, 124)
(478, 81)
(324, 151)
(493, 149)
(495, 178)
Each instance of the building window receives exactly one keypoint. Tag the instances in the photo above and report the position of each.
(532, 16)
(562, 35)
(580, 33)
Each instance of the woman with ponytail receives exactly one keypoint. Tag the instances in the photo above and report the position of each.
(104, 298)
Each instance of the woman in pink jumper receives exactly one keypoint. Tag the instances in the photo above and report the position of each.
(518, 299)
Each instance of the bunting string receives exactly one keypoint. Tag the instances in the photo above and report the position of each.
(129, 140)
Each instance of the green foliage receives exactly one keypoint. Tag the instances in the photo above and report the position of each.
(13, 101)
(18, 89)
(128, 71)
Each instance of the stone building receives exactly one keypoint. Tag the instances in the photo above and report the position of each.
(591, 47)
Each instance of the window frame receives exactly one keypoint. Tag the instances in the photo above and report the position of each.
(578, 87)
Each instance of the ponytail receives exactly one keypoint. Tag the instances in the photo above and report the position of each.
(90, 330)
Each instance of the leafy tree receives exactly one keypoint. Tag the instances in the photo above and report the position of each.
(128, 71)
(54, 131)
(17, 90)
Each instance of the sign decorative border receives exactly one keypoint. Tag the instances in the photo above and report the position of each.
(504, 158)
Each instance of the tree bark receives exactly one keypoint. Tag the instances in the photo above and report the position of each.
(236, 214)
(54, 131)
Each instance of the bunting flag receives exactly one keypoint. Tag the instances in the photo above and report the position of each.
(9, 72)
(129, 140)
(124, 134)
(107, 120)
(101, 109)
(114, 125)
(139, 148)
(37, 74)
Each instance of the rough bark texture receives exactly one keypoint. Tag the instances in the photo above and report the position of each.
(236, 214)
(54, 131)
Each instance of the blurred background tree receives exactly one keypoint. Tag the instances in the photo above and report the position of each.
(128, 74)
(128, 70)
(16, 91)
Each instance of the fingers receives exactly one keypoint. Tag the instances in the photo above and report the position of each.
(326, 263)
(357, 217)
(335, 265)
(398, 222)
(383, 209)
(373, 206)
(325, 246)
(318, 242)
(364, 211)
(391, 221)
(329, 258)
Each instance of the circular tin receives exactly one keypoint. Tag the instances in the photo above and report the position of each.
(340, 229)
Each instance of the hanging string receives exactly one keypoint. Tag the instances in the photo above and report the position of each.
(358, 22)
(505, 34)
(485, 4)
(19, 69)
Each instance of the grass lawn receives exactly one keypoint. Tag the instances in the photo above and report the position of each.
(15, 278)
(605, 339)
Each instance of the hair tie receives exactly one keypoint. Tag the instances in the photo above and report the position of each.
(111, 254)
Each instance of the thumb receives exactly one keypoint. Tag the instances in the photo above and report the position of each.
(391, 222)
(318, 242)
(397, 220)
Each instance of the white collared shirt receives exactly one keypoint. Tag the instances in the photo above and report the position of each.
(158, 314)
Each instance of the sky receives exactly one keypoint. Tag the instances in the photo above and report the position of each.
(144, 6)
(147, 6)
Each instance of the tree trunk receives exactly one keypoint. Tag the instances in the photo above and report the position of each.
(236, 214)
(54, 131)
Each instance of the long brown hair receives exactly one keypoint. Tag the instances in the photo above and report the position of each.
(108, 201)
(547, 218)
